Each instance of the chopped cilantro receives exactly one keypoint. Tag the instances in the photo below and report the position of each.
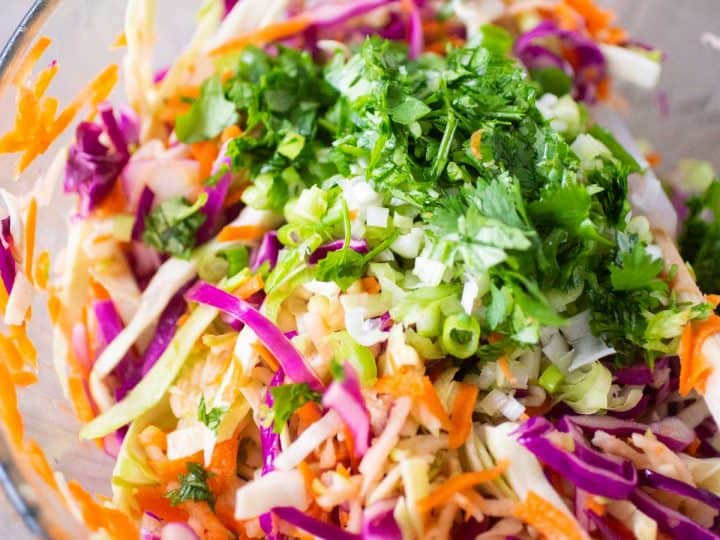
(700, 238)
(237, 258)
(171, 227)
(193, 486)
(208, 115)
(211, 418)
(288, 398)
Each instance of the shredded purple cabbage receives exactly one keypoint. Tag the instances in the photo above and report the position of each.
(147, 197)
(7, 261)
(320, 253)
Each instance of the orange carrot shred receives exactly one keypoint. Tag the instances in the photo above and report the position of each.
(31, 58)
(461, 416)
(694, 367)
(30, 226)
(475, 141)
(272, 32)
(308, 476)
(693, 447)
(594, 506)
(10, 354)
(81, 403)
(41, 270)
(505, 368)
(249, 287)
(44, 79)
(371, 285)
(9, 412)
(266, 355)
(230, 132)
(120, 41)
(231, 233)
(547, 519)
(459, 483)
(39, 462)
(205, 153)
(434, 405)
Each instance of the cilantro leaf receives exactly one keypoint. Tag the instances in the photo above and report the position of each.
(193, 487)
(211, 418)
(344, 266)
(208, 115)
(172, 226)
(288, 398)
(636, 271)
(609, 140)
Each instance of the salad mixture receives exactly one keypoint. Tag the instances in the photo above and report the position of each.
(374, 269)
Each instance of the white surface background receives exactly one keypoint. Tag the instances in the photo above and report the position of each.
(683, 58)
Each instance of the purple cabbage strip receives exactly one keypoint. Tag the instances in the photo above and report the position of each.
(670, 521)
(216, 197)
(147, 197)
(379, 522)
(659, 481)
(7, 261)
(269, 334)
(625, 428)
(128, 371)
(320, 253)
(415, 32)
(112, 128)
(334, 14)
(270, 445)
(160, 75)
(267, 251)
(593, 478)
(229, 5)
(166, 327)
(591, 66)
(315, 527)
(129, 125)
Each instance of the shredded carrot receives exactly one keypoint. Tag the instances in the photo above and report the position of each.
(205, 153)
(30, 226)
(267, 34)
(23, 344)
(152, 499)
(459, 483)
(96, 516)
(540, 410)
(350, 444)
(547, 519)
(120, 41)
(461, 416)
(371, 285)
(505, 368)
(153, 436)
(80, 400)
(307, 415)
(114, 202)
(41, 269)
(713, 299)
(693, 447)
(604, 89)
(44, 79)
(475, 142)
(223, 463)
(266, 355)
(694, 367)
(556, 480)
(169, 469)
(30, 59)
(592, 504)
(9, 412)
(653, 158)
(230, 132)
(249, 287)
(54, 307)
(410, 382)
(97, 290)
(308, 477)
(39, 462)
(231, 233)
(235, 196)
(24, 378)
(352, 214)
(3, 297)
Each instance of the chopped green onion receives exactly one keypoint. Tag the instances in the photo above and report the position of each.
(461, 335)
(551, 378)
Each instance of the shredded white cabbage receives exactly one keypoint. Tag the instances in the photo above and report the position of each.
(275, 489)
(20, 299)
(309, 440)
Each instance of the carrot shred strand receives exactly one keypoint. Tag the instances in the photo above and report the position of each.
(550, 521)
(459, 483)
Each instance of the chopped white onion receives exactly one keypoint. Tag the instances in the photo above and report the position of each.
(408, 245)
(587, 350)
(429, 271)
(185, 442)
(365, 332)
(493, 402)
(404, 223)
(308, 441)
(512, 409)
(469, 295)
(377, 216)
(275, 489)
(631, 66)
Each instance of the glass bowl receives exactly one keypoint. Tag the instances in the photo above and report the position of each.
(680, 119)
